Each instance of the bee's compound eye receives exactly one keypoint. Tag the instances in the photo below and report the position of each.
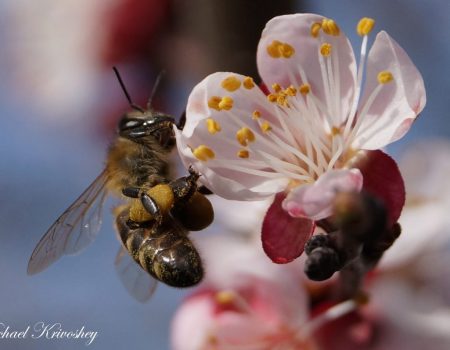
(127, 123)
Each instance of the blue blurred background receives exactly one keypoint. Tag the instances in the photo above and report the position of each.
(60, 102)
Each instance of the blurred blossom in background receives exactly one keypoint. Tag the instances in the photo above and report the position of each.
(60, 103)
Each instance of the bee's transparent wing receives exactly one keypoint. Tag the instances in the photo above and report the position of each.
(135, 279)
(74, 230)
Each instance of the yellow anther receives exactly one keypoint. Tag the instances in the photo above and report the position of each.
(278, 49)
(226, 103)
(243, 153)
(335, 131)
(365, 26)
(286, 50)
(256, 114)
(231, 83)
(273, 49)
(203, 153)
(272, 97)
(385, 77)
(325, 49)
(304, 89)
(276, 87)
(244, 135)
(265, 127)
(315, 29)
(290, 91)
(282, 100)
(248, 83)
(213, 126)
(225, 297)
(330, 27)
(213, 102)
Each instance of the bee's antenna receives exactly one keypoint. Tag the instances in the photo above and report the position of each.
(155, 86)
(127, 95)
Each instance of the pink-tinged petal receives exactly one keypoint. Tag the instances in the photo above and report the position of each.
(232, 176)
(399, 101)
(192, 322)
(383, 179)
(283, 236)
(315, 201)
(295, 30)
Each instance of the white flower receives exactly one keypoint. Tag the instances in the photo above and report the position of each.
(303, 137)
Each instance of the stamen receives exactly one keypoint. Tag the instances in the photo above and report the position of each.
(282, 100)
(291, 91)
(276, 87)
(225, 297)
(231, 83)
(385, 77)
(325, 49)
(273, 49)
(248, 83)
(278, 49)
(213, 126)
(243, 153)
(265, 127)
(213, 102)
(304, 89)
(315, 29)
(203, 153)
(226, 103)
(365, 26)
(272, 97)
(330, 27)
(335, 131)
(256, 115)
(287, 50)
(244, 136)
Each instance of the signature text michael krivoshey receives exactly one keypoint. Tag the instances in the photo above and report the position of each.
(42, 330)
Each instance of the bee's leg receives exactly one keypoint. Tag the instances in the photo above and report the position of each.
(204, 190)
(152, 207)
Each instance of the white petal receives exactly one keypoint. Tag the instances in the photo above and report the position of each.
(315, 201)
(295, 30)
(227, 174)
(399, 101)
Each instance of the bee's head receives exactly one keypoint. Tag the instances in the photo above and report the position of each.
(144, 126)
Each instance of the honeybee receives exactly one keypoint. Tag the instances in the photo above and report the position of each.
(153, 225)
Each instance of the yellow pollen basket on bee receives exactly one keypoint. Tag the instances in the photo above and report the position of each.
(203, 153)
(278, 49)
(365, 26)
(385, 77)
(244, 136)
(231, 83)
(162, 194)
(212, 126)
